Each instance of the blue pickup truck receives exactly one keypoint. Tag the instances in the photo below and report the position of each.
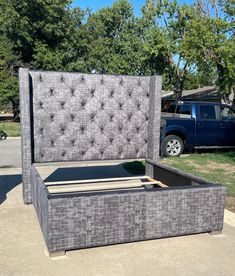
(197, 125)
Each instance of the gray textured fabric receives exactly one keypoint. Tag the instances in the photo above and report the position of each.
(90, 117)
(74, 116)
(26, 138)
(40, 201)
(81, 221)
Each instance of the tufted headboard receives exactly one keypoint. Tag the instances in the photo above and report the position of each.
(75, 116)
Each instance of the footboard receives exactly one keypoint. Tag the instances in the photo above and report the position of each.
(82, 219)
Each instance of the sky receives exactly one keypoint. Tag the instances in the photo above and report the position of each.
(97, 4)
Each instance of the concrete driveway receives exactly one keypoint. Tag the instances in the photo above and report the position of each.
(10, 155)
(22, 248)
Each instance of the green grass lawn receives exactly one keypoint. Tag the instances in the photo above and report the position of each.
(216, 167)
(12, 129)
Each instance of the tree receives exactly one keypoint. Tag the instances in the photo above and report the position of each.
(9, 63)
(210, 43)
(112, 40)
(163, 43)
(36, 34)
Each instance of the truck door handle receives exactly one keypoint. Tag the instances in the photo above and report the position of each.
(222, 125)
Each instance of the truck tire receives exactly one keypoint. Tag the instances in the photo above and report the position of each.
(173, 146)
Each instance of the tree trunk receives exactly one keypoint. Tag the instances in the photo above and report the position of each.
(15, 109)
(178, 89)
(228, 98)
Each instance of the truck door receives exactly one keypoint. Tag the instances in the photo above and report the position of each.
(207, 126)
(227, 125)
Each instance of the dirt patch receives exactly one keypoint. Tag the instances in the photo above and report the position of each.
(202, 168)
(230, 203)
(210, 166)
(226, 166)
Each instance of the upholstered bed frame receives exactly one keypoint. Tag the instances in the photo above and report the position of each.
(69, 117)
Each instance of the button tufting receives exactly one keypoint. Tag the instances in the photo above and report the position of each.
(52, 116)
(111, 94)
(62, 130)
(72, 90)
(82, 128)
(111, 117)
(92, 92)
(83, 103)
(98, 113)
(51, 91)
(83, 153)
(72, 116)
(40, 77)
(72, 142)
(92, 116)
(82, 78)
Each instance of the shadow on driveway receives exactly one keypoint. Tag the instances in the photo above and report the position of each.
(7, 183)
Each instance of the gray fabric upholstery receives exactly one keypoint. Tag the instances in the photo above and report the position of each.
(89, 117)
(26, 133)
(74, 116)
(86, 220)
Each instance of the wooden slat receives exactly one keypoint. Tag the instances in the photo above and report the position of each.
(95, 180)
(159, 183)
(96, 187)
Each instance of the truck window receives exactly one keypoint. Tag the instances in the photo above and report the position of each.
(186, 109)
(171, 108)
(207, 112)
(227, 113)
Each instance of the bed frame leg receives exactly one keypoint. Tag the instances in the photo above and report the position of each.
(216, 232)
(56, 254)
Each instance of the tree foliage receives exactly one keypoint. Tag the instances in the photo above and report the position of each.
(190, 45)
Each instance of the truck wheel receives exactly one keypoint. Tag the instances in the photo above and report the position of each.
(173, 146)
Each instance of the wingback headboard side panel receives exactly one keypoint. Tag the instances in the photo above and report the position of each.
(89, 117)
(26, 132)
